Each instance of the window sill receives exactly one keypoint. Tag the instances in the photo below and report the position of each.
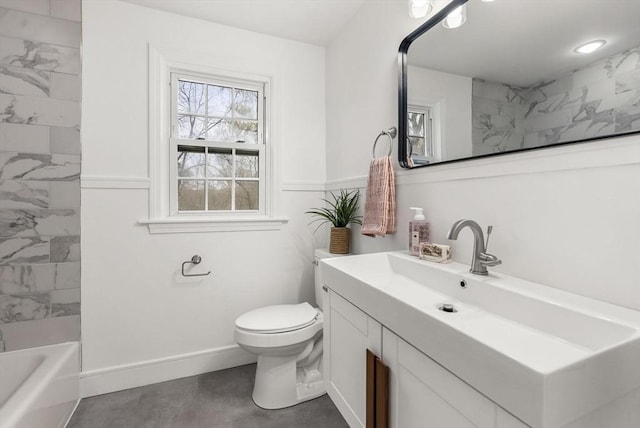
(212, 224)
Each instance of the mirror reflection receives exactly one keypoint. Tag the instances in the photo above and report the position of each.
(518, 75)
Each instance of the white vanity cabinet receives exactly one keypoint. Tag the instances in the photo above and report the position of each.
(348, 333)
(426, 395)
(422, 394)
(513, 352)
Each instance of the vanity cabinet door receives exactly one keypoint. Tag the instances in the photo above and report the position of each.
(348, 333)
(424, 394)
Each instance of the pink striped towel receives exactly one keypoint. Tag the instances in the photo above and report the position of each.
(380, 206)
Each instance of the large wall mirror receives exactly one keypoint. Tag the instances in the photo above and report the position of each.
(511, 78)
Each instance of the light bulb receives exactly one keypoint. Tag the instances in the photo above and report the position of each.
(419, 8)
(456, 18)
(589, 47)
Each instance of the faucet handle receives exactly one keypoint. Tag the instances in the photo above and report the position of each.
(487, 259)
(489, 230)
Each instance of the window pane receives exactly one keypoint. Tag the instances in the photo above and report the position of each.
(219, 195)
(416, 124)
(191, 97)
(190, 195)
(417, 146)
(246, 164)
(220, 163)
(191, 127)
(190, 161)
(244, 131)
(246, 104)
(246, 195)
(219, 101)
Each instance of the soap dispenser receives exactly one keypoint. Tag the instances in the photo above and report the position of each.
(418, 232)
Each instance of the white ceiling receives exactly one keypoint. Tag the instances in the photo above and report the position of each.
(310, 21)
(520, 41)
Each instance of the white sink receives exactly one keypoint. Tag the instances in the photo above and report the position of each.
(545, 355)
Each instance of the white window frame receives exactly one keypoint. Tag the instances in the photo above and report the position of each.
(162, 219)
(260, 147)
(427, 130)
(433, 115)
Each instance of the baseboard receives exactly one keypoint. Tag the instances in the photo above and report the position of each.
(117, 378)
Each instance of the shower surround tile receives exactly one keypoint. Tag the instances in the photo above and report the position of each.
(42, 222)
(27, 166)
(66, 9)
(29, 110)
(27, 307)
(67, 275)
(40, 93)
(39, 56)
(24, 250)
(64, 140)
(23, 194)
(24, 81)
(600, 99)
(27, 334)
(40, 7)
(65, 249)
(65, 87)
(20, 279)
(23, 138)
(64, 194)
(65, 302)
(25, 25)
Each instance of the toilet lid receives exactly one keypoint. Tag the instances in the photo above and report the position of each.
(278, 318)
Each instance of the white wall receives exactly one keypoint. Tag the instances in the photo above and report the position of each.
(566, 217)
(137, 311)
(451, 96)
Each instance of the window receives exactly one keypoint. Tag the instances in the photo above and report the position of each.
(420, 135)
(218, 148)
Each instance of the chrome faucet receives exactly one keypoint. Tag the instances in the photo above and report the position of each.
(480, 259)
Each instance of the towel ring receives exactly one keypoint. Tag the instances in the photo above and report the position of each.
(391, 133)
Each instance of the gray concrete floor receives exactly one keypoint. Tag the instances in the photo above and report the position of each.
(218, 399)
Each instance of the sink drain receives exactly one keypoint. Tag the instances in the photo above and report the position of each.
(447, 307)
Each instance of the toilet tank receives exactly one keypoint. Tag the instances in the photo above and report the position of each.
(319, 255)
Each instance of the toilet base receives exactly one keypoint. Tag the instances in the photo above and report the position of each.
(284, 381)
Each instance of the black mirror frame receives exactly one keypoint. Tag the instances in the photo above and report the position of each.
(402, 78)
(403, 98)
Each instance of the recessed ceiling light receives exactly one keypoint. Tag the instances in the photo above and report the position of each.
(589, 47)
(419, 8)
(487, 1)
(456, 17)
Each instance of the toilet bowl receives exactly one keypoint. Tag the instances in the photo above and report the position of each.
(288, 342)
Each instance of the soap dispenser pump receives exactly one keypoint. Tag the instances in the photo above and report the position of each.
(418, 231)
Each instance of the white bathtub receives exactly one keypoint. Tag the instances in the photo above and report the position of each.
(39, 386)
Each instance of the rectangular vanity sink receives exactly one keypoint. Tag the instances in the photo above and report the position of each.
(545, 355)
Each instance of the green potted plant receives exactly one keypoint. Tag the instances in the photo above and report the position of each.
(340, 212)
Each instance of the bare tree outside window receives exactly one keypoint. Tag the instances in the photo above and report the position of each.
(419, 134)
(214, 178)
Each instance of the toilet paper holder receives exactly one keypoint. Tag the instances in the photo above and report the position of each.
(195, 260)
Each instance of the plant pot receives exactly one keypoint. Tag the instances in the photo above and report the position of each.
(339, 240)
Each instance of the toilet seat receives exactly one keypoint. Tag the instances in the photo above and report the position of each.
(277, 319)
(273, 340)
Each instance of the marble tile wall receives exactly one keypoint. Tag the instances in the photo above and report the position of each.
(600, 99)
(40, 93)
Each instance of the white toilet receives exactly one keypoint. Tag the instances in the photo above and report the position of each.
(288, 342)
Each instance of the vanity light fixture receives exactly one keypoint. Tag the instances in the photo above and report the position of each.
(456, 18)
(589, 47)
(419, 8)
